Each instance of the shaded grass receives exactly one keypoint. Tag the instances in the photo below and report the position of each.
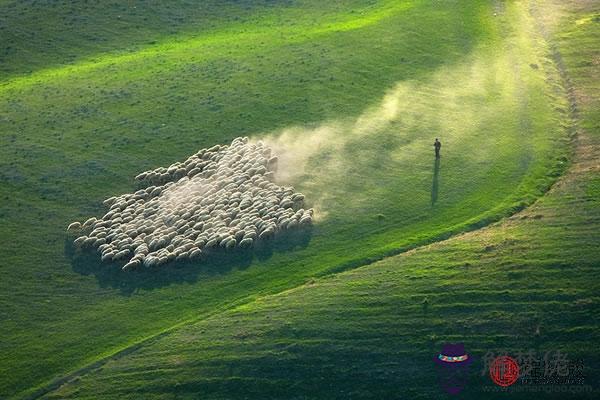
(78, 134)
(528, 283)
(38, 36)
(366, 333)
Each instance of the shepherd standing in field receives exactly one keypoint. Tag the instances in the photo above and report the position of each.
(437, 145)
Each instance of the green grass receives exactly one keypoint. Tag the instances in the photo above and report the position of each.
(40, 37)
(77, 129)
(367, 334)
(530, 282)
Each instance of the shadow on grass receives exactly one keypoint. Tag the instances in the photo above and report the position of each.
(216, 262)
(435, 185)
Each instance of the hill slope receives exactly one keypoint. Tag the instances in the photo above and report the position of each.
(530, 282)
(379, 80)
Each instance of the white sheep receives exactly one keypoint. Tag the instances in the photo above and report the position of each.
(223, 196)
(75, 226)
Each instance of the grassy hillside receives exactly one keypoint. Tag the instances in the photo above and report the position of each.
(379, 80)
(51, 34)
(530, 282)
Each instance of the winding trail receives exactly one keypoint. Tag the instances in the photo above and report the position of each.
(579, 146)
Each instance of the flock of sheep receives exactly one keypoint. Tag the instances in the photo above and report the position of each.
(219, 197)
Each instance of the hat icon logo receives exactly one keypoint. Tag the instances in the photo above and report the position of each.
(453, 367)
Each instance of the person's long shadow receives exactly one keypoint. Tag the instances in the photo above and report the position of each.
(218, 261)
(435, 184)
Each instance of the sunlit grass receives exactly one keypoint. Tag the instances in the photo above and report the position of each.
(252, 34)
(529, 283)
(388, 80)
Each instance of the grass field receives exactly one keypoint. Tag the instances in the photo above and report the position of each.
(82, 110)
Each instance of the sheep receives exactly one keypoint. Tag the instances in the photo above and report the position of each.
(195, 253)
(121, 254)
(75, 226)
(222, 196)
(99, 242)
(131, 265)
(79, 241)
(89, 223)
(142, 249)
(102, 247)
(89, 241)
(306, 220)
(246, 242)
(212, 242)
(150, 261)
(266, 234)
